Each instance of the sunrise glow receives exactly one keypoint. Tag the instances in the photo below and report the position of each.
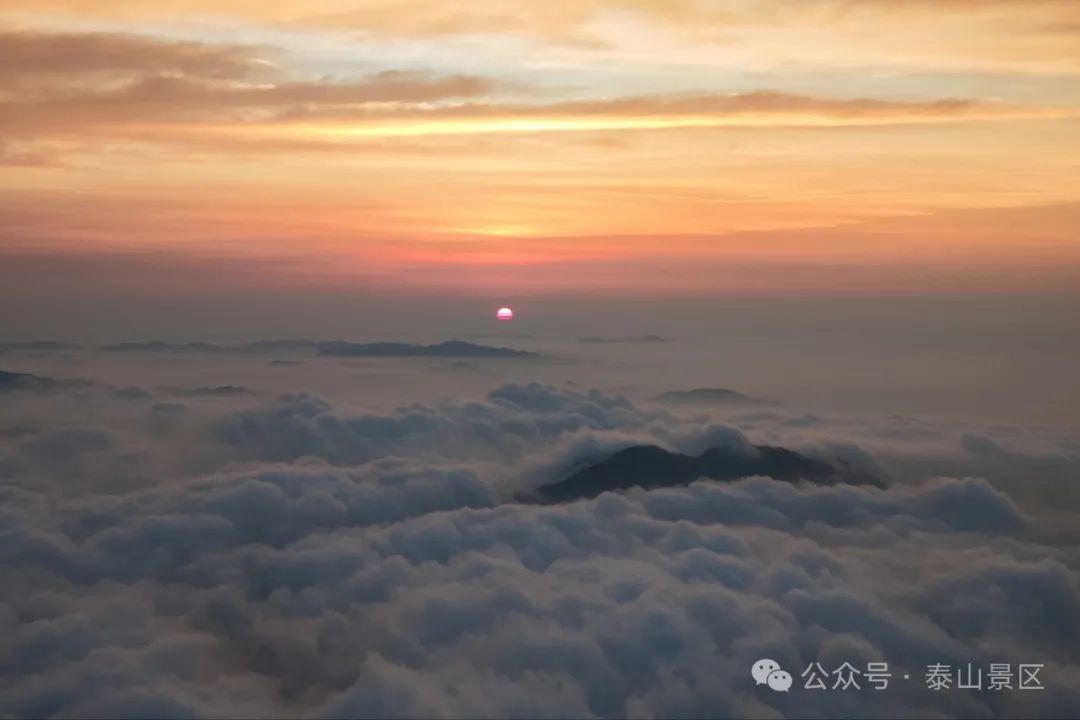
(589, 147)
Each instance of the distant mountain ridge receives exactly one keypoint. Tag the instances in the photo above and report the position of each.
(448, 349)
(706, 396)
(631, 339)
(328, 348)
(161, 346)
(218, 391)
(22, 381)
(650, 467)
(12, 381)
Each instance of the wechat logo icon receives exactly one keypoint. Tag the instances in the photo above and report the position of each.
(768, 672)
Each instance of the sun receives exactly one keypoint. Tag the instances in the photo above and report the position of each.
(504, 314)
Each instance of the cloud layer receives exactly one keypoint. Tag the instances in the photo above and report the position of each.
(304, 560)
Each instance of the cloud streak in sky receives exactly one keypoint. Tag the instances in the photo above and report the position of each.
(1002, 35)
(125, 85)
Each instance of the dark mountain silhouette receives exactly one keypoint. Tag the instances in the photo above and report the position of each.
(499, 336)
(707, 395)
(130, 393)
(634, 339)
(12, 381)
(218, 391)
(160, 346)
(648, 467)
(24, 381)
(328, 348)
(271, 346)
(449, 349)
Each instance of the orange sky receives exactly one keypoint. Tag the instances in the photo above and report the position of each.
(630, 146)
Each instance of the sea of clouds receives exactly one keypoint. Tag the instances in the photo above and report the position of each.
(189, 552)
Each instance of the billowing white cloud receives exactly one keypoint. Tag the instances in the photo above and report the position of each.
(306, 560)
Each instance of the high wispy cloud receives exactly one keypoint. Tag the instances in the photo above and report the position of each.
(57, 83)
(126, 85)
(1027, 37)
